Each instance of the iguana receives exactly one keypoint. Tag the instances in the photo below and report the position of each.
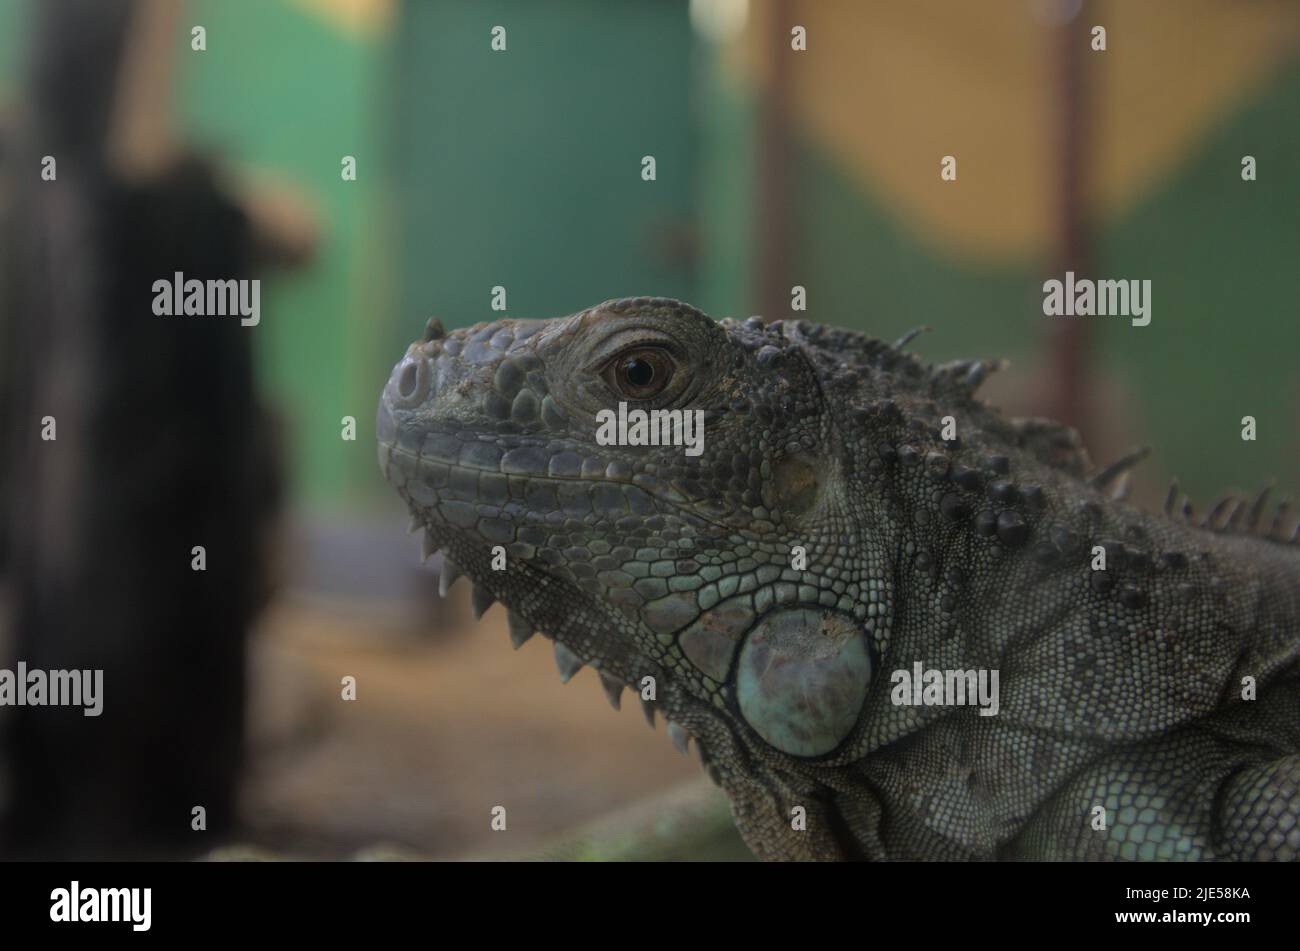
(1149, 675)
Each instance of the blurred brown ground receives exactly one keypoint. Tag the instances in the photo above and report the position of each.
(444, 728)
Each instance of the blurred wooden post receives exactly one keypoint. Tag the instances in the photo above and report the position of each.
(1069, 343)
(775, 173)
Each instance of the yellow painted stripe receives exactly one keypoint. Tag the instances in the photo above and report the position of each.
(887, 89)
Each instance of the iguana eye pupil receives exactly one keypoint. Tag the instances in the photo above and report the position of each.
(639, 372)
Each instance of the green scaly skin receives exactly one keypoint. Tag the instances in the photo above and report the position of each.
(1120, 689)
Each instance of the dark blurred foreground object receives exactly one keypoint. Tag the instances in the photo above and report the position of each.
(161, 446)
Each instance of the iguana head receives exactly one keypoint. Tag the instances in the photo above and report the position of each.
(744, 585)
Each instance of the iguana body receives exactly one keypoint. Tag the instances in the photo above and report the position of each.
(1120, 689)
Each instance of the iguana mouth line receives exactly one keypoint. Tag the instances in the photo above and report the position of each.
(664, 494)
(422, 460)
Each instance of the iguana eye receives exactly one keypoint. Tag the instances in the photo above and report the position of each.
(641, 373)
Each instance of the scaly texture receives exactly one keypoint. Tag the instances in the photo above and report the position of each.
(1121, 689)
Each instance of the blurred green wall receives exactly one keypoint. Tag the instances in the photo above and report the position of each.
(289, 92)
(13, 17)
(522, 168)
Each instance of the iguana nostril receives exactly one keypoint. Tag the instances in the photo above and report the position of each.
(408, 381)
